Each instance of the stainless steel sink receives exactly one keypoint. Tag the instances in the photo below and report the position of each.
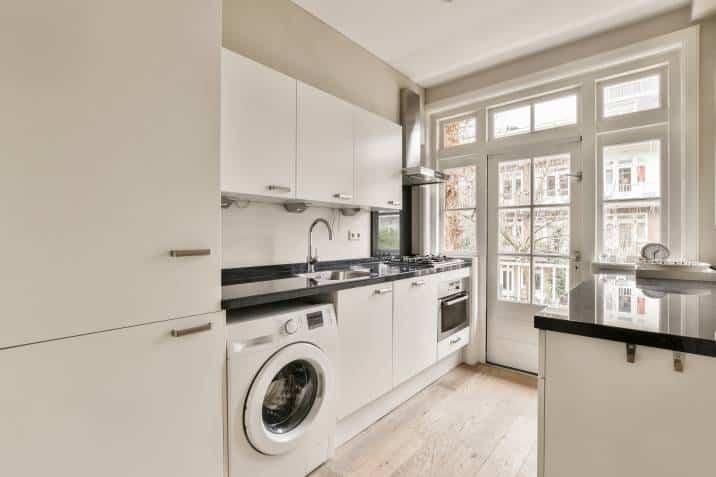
(336, 275)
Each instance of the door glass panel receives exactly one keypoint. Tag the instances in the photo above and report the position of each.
(551, 279)
(556, 112)
(513, 275)
(514, 231)
(552, 182)
(510, 122)
(640, 94)
(460, 187)
(514, 182)
(632, 171)
(551, 230)
(290, 397)
(628, 226)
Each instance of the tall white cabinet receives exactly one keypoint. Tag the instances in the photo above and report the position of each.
(110, 126)
(258, 129)
(109, 203)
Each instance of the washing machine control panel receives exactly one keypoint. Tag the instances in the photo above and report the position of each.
(314, 320)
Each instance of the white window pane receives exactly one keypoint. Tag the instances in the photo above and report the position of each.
(551, 230)
(460, 187)
(389, 232)
(515, 181)
(460, 230)
(631, 96)
(632, 171)
(514, 231)
(551, 281)
(459, 132)
(556, 112)
(552, 182)
(628, 226)
(511, 121)
(513, 275)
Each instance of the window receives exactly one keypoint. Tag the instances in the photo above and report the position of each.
(460, 210)
(639, 94)
(534, 230)
(547, 114)
(631, 205)
(458, 132)
(385, 239)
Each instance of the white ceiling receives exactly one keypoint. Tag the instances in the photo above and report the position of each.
(433, 41)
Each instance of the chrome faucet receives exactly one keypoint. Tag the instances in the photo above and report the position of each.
(312, 258)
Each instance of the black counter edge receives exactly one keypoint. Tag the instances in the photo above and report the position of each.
(665, 341)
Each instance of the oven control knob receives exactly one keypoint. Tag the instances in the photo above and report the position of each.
(290, 327)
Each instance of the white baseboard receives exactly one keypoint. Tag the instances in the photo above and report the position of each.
(355, 423)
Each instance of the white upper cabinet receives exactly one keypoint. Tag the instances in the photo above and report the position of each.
(110, 159)
(325, 170)
(258, 129)
(131, 402)
(415, 326)
(378, 158)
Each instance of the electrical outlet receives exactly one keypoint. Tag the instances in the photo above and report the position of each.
(353, 235)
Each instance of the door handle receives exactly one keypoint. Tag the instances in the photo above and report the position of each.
(343, 196)
(576, 175)
(394, 202)
(418, 283)
(456, 300)
(278, 188)
(191, 331)
(195, 252)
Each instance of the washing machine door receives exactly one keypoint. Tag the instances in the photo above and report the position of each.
(286, 398)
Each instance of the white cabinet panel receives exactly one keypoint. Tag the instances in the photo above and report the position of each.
(378, 157)
(258, 129)
(415, 331)
(605, 416)
(131, 402)
(325, 171)
(110, 158)
(365, 330)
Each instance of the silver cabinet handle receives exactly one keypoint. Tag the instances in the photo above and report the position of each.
(343, 196)
(278, 188)
(191, 331)
(455, 301)
(382, 291)
(418, 283)
(394, 202)
(192, 252)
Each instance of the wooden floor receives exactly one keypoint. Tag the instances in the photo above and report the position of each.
(475, 421)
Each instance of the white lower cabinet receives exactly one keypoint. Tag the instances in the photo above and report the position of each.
(134, 402)
(602, 416)
(415, 326)
(365, 331)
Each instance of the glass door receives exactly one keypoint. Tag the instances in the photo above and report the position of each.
(533, 246)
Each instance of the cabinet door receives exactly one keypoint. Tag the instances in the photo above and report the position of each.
(379, 159)
(365, 330)
(130, 402)
(110, 158)
(258, 129)
(325, 147)
(415, 330)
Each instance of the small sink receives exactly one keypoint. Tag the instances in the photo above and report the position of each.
(336, 275)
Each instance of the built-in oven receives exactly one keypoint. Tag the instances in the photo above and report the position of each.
(453, 316)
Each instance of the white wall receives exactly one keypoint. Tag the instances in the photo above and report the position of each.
(265, 234)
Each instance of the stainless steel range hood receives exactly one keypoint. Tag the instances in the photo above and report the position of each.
(425, 182)
(416, 171)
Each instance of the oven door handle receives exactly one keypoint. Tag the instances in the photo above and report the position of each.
(456, 300)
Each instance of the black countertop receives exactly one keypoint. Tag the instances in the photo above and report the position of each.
(243, 287)
(667, 314)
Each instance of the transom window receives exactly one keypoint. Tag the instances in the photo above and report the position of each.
(459, 131)
(539, 114)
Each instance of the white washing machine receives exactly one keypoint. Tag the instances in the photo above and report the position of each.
(281, 390)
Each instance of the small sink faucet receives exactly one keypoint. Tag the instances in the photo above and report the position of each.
(312, 258)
